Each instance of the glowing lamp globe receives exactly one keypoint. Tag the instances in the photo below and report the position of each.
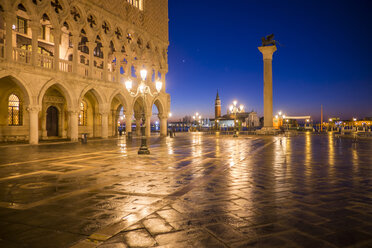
(128, 85)
(143, 73)
(158, 85)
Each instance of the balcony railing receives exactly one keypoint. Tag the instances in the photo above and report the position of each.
(83, 70)
(111, 76)
(45, 61)
(65, 65)
(97, 73)
(2, 51)
(21, 56)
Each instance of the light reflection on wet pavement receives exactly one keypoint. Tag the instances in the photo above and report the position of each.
(192, 191)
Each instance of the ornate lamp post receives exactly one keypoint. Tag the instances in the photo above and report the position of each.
(143, 90)
(234, 109)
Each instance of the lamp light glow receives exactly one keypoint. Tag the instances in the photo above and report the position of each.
(235, 102)
(128, 85)
(158, 85)
(143, 73)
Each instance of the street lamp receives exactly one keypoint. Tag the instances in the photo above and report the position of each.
(143, 90)
(234, 109)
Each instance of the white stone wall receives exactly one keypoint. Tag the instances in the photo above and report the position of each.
(37, 75)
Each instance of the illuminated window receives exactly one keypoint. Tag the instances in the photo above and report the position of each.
(42, 32)
(14, 111)
(21, 25)
(83, 114)
(136, 3)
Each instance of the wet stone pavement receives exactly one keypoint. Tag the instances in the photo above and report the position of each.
(192, 191)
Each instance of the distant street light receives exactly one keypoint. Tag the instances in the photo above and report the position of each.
(197, 118)
(234, 109)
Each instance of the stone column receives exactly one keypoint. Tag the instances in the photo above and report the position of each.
(91, 46)
(33, 112)
(148, 125)
(104, 127)
(128, 121)
(163, 125)
(267, 52)
(73, 125)
(9, 19)
(162, 73)
(35, 26)
(105, 62)
(75, 56)
(138, 125)
(117, 66)
(63, 134)
(44, 133)
(57, 39)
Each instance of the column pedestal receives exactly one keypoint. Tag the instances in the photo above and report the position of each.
(267, 52)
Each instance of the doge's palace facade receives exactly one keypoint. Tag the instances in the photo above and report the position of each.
(63, 64)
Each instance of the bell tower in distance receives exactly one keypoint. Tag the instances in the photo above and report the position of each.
(217, 107)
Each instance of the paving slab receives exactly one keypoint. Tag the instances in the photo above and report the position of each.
(194, 190)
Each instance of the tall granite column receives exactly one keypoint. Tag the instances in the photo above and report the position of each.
(267, 52)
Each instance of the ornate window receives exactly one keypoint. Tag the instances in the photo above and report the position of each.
(14, 111)
(21, 25)
(83, 114)
(136, 3)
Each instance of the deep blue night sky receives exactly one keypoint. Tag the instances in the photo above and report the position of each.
(324, 58)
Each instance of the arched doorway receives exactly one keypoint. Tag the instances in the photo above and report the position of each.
(52, 121)
(54, 96)
(89, 117)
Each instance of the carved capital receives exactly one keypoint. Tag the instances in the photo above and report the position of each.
(33, 109)
(163, 116)
(73, 112)
(267, 52)
(104, 113)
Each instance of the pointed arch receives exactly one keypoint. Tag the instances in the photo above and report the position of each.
(53, 19)
(30, 9)
(21, 83)
(159, 104)
(99, 97)
(69, 96)
(122, 98)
